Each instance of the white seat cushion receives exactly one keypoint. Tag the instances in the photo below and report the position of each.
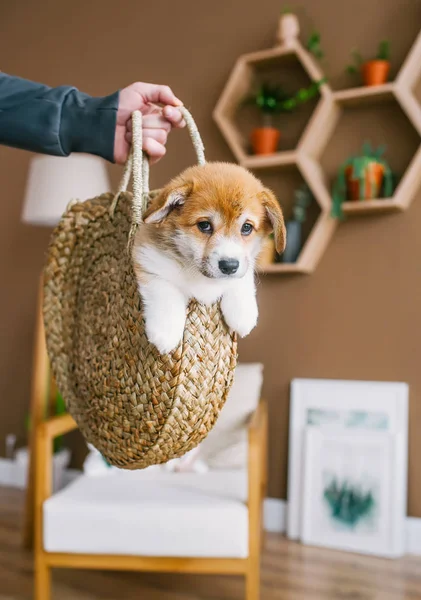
(151, 513)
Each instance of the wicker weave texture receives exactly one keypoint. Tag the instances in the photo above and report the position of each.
(135, 406)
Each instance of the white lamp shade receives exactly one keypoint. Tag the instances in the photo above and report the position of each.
(54, 180)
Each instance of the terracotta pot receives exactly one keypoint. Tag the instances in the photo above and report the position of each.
(267, 254)
(265, 140)
(374, 172)
(375, 72)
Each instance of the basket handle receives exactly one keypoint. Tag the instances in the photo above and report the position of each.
(137, 165)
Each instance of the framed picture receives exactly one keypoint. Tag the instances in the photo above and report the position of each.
(355, 492)
(339, 406)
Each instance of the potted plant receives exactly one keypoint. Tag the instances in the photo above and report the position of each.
(303, 199)
(376, 71)
(271, 100)
(362, 177)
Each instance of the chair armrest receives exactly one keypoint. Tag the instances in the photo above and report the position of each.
(44, 436)
(45, 433)
(57, 426)
(257, 421)
(257, 456)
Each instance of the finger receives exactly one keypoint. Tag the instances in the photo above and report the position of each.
(151, 108)
(156, 121)
(151, 122)
(161, 94)
(153, 161)
(153, 149)
(174, 116)
(158, 135)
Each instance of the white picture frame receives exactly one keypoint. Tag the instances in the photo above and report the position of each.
(354, 492)
(386, 402)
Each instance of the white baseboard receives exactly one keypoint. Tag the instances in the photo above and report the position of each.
(12, 474)
(275, 513)
(413, 535)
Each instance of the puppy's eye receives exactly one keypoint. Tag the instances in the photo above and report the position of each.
(246, 229)
(205, 226)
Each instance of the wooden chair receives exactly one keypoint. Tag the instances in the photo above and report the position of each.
(42, 390)
(248, 566)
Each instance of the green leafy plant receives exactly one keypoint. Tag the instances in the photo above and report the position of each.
(348, 503)
(269, 98)
(354, 67)
(314, 46)
(360, 165)
(384, 50)
(274, 99)
(383, 53)
(286, 10)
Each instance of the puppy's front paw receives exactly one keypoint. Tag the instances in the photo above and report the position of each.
(165, 333)
(240, 314)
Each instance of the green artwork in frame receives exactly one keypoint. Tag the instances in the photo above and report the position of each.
(348, 502)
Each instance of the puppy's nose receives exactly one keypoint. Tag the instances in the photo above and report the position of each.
(228, 266)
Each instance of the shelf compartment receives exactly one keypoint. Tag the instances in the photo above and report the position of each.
(292, 67)
(318, 227)
(389, 124)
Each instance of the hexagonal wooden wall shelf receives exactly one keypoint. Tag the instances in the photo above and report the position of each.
(398, 93)
(316, 135)
(239, 85)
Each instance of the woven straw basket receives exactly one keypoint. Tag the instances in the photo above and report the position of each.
(137, 407)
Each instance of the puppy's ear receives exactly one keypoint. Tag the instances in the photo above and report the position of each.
(165, 202)
(275, 218)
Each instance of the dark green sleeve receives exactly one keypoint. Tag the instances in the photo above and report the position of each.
(56, 121)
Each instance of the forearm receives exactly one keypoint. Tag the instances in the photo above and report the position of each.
(56, 121)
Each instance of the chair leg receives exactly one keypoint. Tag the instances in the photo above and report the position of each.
(253, 580)
(42, 579)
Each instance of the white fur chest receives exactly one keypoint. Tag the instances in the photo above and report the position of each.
(191, 285)
(166, 288)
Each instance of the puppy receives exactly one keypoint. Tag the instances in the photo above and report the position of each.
(200, 239)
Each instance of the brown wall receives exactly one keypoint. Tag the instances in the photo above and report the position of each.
(356, 317)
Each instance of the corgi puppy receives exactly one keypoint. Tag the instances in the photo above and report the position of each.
(200, 239)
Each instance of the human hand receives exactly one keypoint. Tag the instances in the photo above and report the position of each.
(158, 105)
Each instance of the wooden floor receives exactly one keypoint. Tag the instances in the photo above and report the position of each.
(289, 572)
